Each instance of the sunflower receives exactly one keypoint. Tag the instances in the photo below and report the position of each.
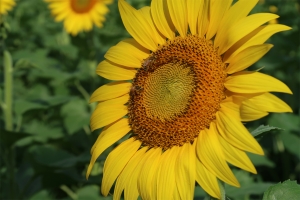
(181, 92)
(6, 5)
(79, 15)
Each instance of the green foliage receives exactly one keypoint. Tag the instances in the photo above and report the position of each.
(286, 190)
(45, 136)
(262, 129)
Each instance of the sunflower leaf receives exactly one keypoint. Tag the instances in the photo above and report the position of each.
(286, 190)
(262, 129)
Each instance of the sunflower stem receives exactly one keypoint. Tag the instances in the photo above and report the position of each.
(222, 190)
(8, 76)
(81, 89)
(8, 87)
(70, 193)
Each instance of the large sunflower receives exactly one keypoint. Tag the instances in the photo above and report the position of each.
(79, 15)
(181, 92)
(5, 6)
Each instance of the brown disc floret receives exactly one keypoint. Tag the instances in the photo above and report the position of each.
(176, 92)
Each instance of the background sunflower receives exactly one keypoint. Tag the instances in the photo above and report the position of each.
(5, 6)
(45, 153)
(79, 15)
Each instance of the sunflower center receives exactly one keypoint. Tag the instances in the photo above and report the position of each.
(176, 93)
(167, 91)
(82, 6)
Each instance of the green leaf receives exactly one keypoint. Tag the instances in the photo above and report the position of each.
(37, 58)
(248, 186)
(22, 106)
(57, 100)
(37, 91)
(291, 143)
(287, 190)
(91, 192)
(286, 121)
(259, 160)
(8, 138)
(262, 129)
(247, 189)
(199, 192)
(43, 194)
(52, 157)
(75, 115)
(40, 132)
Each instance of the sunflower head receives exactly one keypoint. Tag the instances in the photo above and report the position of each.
(181, 91)
(79, 15)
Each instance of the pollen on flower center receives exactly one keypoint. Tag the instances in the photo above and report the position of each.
(82, 6)
(177, 92)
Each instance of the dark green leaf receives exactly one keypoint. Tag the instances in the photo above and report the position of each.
(8, 138)
(52, 157)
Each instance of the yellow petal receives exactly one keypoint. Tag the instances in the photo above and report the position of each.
(108, 137)
(160, 15)
(210, 153)
(269, 102)
(166, 183)
(250, 112)
(105, 116)
(207, 180)
(176, 195)
(193, 7)
(234, 132)
(109, 111)
(244, 27)
(185, 171)
(254, 82)
(116, 162)
(237, 157)
(203, 18)
(110, 91)
(217, 10)
(114, 71)
(247, 57)
(131, 191)
(148, 175)
(178, 14)
(126, 176)
(231, 107)
(235, 13)
(159, 38)
(128, 53)
(114, 130)
(116, 101)
(137, 26)
(256, 37)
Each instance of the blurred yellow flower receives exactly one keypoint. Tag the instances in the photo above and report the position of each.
(6, 5)
(273, 9)
(181, 92)
(79, 15)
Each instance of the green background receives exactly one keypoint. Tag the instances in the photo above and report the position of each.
(46, 154)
